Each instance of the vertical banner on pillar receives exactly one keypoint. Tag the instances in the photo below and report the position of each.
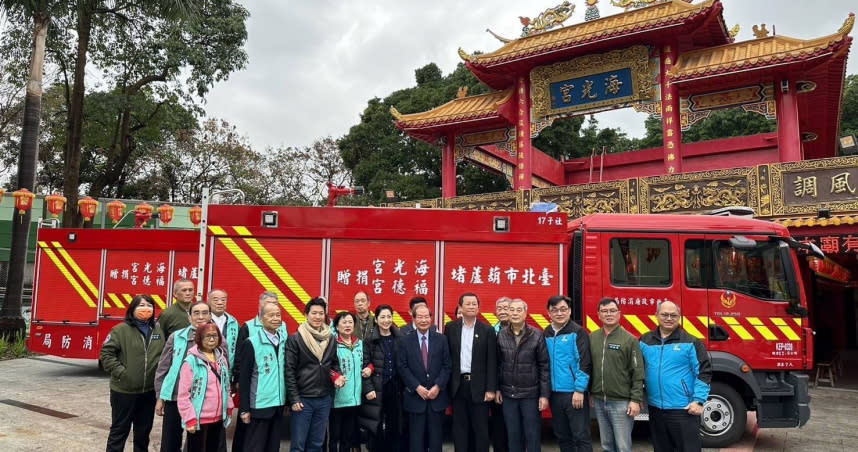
(523, 170)
(670, 114)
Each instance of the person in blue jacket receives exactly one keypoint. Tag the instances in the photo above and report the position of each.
(678, 374)
(569, 351)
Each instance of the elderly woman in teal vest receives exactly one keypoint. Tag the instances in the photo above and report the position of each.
(345, 433)
(262, 382)
(167, 377)
(203, 400)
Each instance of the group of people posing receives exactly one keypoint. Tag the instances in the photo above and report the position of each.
(360, 372)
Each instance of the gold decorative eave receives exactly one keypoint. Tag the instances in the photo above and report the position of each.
(809, 221)
(637, 20)
(460, 109)
(755, 53)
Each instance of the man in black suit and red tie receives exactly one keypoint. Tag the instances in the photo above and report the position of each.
(473, 350)
(423, 363)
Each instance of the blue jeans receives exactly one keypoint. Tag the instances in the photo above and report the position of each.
(308, 425)
(523, 424)
(615, 426)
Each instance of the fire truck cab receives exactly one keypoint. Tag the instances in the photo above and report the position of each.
(737, 284)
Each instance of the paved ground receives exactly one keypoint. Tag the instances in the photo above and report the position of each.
(50, 404)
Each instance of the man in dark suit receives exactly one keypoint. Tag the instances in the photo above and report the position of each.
(473, 381)
(423, 363)
(411, 327)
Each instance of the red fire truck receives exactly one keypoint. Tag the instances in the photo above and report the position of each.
(736, 280)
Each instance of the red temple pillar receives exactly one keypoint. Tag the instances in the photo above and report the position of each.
(448, 168)
(672, 131)
(523, 175)
(789, 134)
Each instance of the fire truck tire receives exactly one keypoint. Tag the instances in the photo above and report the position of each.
(724, 416)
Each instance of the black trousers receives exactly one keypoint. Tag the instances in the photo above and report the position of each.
(429, 425)
(171, 429)
(571, 425)
(497, 427)
(127, 410)
(470, 420)
(389, 433)
(239, 434)
(263, 435)
(674, 430)
(207, 438)
(343, 429)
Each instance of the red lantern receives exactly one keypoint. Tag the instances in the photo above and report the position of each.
(196, 214)
(115, 210)
(87, 207)
(142, 214)
(23, 200)
(56, 204)
(165, 211)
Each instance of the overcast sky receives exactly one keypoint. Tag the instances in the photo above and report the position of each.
(314, 64)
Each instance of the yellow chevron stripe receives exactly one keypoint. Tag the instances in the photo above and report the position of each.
(591, 325)
(540, 320)
(447, 319)
(281, 272)
(243, 231)
(491, 318)
(706, 321)
(688, 326)
(217, 230)
(786, 330)
(115, 299)
(654, 319)
(738, 328)
(763, 329)
(62, 268)
(73, 264)
(159, 301)
(797, 320)
(266, 283)
(637, 324)
(398, 320)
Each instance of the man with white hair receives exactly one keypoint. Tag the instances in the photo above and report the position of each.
(678, 374)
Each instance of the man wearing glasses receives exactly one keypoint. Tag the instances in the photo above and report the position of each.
(617, 382)
(678, 375)
(569, 350)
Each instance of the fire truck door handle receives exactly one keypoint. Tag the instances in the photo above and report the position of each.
(718, 333)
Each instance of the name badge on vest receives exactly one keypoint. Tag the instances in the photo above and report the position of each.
(614, 346)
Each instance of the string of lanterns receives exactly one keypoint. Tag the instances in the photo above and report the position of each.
(88, 207)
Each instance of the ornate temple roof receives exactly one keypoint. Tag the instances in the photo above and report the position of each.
(631, 22)
(773, 50)
(810, 221)
(457, 110)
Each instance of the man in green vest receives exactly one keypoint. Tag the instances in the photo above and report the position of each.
(175, 317)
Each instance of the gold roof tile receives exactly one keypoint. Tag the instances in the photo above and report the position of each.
(637, 19)
(465, 108)
(753, 53)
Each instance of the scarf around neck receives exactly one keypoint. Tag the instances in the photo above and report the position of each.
(317, 341)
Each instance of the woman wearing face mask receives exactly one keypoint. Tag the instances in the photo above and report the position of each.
(130, 355)
(380, 411)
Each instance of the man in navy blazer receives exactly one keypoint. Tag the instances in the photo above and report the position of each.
(424, 365)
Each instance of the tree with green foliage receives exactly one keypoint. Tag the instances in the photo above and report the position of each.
(849, 109)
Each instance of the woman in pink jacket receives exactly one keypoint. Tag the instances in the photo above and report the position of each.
(203, 400)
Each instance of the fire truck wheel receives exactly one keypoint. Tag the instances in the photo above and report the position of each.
(724, 417)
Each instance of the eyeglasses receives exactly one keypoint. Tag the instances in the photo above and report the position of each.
(558, 310)
(212, 336)
(666, 315)
(609, 311)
